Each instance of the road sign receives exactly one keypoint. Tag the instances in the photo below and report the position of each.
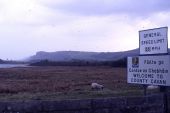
(153, 41)
(153, 70)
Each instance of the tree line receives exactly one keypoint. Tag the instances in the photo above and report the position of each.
(117, 63)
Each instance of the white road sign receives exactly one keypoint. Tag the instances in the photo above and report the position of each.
(153, 41)
(154, 70)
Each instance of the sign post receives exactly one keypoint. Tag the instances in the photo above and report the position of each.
(153, 64)
(152, 67)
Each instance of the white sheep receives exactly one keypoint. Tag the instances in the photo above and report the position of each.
(96, 86)
(151, 87)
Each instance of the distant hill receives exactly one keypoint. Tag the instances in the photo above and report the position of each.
(79, 55)
(1, 61)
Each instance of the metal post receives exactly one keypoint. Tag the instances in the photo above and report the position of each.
(163, 89)
(144, 90)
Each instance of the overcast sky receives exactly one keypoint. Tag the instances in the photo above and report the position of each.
(28, 26)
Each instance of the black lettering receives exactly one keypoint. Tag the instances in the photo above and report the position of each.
(158, 82)
(145, 35)
(147, 49)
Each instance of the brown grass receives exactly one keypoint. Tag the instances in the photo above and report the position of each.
(63, 80)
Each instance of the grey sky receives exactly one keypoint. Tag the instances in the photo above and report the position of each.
(28, 26)
(105, 7)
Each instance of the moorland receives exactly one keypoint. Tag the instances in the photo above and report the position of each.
(64, 82)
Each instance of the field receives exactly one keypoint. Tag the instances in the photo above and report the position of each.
(64, 82)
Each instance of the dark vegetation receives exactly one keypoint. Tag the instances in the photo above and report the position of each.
(11, 62)
(117, 63)
(1, 61)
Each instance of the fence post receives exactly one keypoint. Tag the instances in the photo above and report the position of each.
(163, 89)
(144, 89)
